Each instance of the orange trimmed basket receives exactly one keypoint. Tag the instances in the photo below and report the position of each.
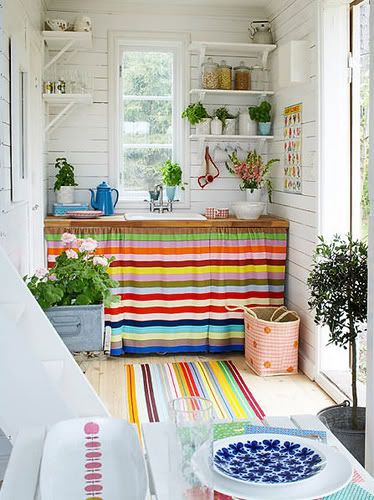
(271, 339)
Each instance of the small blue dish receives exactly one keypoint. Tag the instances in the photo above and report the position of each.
(267, 461)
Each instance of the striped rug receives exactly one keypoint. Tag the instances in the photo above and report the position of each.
(151, 386)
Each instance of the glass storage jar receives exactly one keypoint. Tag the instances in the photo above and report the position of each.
(210, 74)
(242, 77)
(224, 76)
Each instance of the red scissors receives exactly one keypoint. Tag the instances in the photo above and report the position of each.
(208, 178)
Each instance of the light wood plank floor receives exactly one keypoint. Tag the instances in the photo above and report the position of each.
(282, 395)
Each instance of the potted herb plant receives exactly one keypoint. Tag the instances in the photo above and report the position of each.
(65, 181)
(197, 115)
(338, 285)
(171, 178)
(74, 291)
(262, 115)
(254, 174)
(228, 120)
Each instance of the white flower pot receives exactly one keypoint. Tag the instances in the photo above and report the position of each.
(203, 128)
(216, 127)
(65, 194)
(246, 125)
(253, 197)
(230, 126)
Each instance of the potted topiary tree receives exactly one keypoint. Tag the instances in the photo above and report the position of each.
(338, 293)
(197, 115)
(171, 178)
(262, 115)
(65, 181)
(74, 291)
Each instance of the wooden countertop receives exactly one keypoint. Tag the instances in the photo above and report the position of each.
(265, 221)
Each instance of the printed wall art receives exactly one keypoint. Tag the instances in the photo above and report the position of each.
(292, 148)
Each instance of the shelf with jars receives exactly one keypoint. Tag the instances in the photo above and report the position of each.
(62, 86)
(260, 50)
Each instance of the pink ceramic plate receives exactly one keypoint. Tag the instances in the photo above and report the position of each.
(84, 214)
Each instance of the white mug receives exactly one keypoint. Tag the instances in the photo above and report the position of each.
(57, 24)
(83, 24)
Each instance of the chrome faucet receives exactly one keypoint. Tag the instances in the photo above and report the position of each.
(156, 202)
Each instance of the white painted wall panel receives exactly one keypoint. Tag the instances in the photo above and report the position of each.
(297, 20)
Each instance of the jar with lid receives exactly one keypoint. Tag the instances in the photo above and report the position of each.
(224, 76)
(242, 77)
(210, 74)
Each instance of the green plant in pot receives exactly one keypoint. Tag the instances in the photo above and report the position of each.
(227, 119)
(197, 115)
(74, 291)
(65, 181)
(262, 115)
(171, 174)
(338, 285)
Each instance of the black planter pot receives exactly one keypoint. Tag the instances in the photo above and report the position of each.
(339, 420)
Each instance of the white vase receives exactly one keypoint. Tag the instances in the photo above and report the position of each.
(203, 128)
(246, 125)
(253, 197)
(65, 194)
(230, 126)
(216, 126)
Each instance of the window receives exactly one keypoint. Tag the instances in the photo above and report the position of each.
(360, 50)
(360, 117)
(150, 96)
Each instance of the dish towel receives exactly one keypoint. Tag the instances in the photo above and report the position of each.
(350, 492)
(222, 431)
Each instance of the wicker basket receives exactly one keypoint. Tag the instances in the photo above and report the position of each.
(271, 339)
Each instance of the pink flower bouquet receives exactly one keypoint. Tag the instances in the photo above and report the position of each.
(253, 172)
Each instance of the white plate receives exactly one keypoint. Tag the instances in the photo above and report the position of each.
(336, 474)
(93, 457)
(259, 438)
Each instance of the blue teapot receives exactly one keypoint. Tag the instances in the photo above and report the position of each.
(104, 201)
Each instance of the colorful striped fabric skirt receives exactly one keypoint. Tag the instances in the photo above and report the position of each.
(175, 283)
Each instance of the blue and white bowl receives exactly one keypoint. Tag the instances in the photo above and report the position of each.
(267, 459)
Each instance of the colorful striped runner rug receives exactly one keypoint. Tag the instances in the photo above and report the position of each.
(150, 387)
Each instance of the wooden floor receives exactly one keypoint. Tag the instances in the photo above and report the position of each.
(284, 395)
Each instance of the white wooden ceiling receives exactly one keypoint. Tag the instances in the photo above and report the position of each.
(108, 5)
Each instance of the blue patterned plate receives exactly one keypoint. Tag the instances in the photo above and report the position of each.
(267, 459)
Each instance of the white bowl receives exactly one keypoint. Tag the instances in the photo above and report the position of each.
(248, 210)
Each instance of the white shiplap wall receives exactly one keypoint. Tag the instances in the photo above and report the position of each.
(297, 20)
(22, 18)
(83, 136)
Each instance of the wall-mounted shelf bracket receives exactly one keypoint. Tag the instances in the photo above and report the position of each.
(67, 101)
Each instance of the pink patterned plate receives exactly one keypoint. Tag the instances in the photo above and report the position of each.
(84, 214)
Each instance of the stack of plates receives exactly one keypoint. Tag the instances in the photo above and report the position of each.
(272, 466)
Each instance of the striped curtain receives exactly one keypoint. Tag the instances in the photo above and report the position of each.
(174, 283)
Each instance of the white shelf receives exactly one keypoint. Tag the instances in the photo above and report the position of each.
(233, 49)
(68, 98)
(232, 92)
(211, 137)
(57, 40)
(237, 93)
(68, 101)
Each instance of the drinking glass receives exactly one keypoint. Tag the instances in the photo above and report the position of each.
(190, 428)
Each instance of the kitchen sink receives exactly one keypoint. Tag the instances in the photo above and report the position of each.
(163, 216)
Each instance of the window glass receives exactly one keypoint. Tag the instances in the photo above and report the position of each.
(147, 118)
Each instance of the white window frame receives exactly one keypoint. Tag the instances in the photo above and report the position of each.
(177, 43)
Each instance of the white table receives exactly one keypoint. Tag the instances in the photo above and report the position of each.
(156, 447)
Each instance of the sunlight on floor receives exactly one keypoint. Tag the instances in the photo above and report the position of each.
(282, 395)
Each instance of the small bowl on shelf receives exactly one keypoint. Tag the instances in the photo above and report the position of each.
(248, 210)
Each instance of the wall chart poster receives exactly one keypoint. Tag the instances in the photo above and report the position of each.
(292, 148)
